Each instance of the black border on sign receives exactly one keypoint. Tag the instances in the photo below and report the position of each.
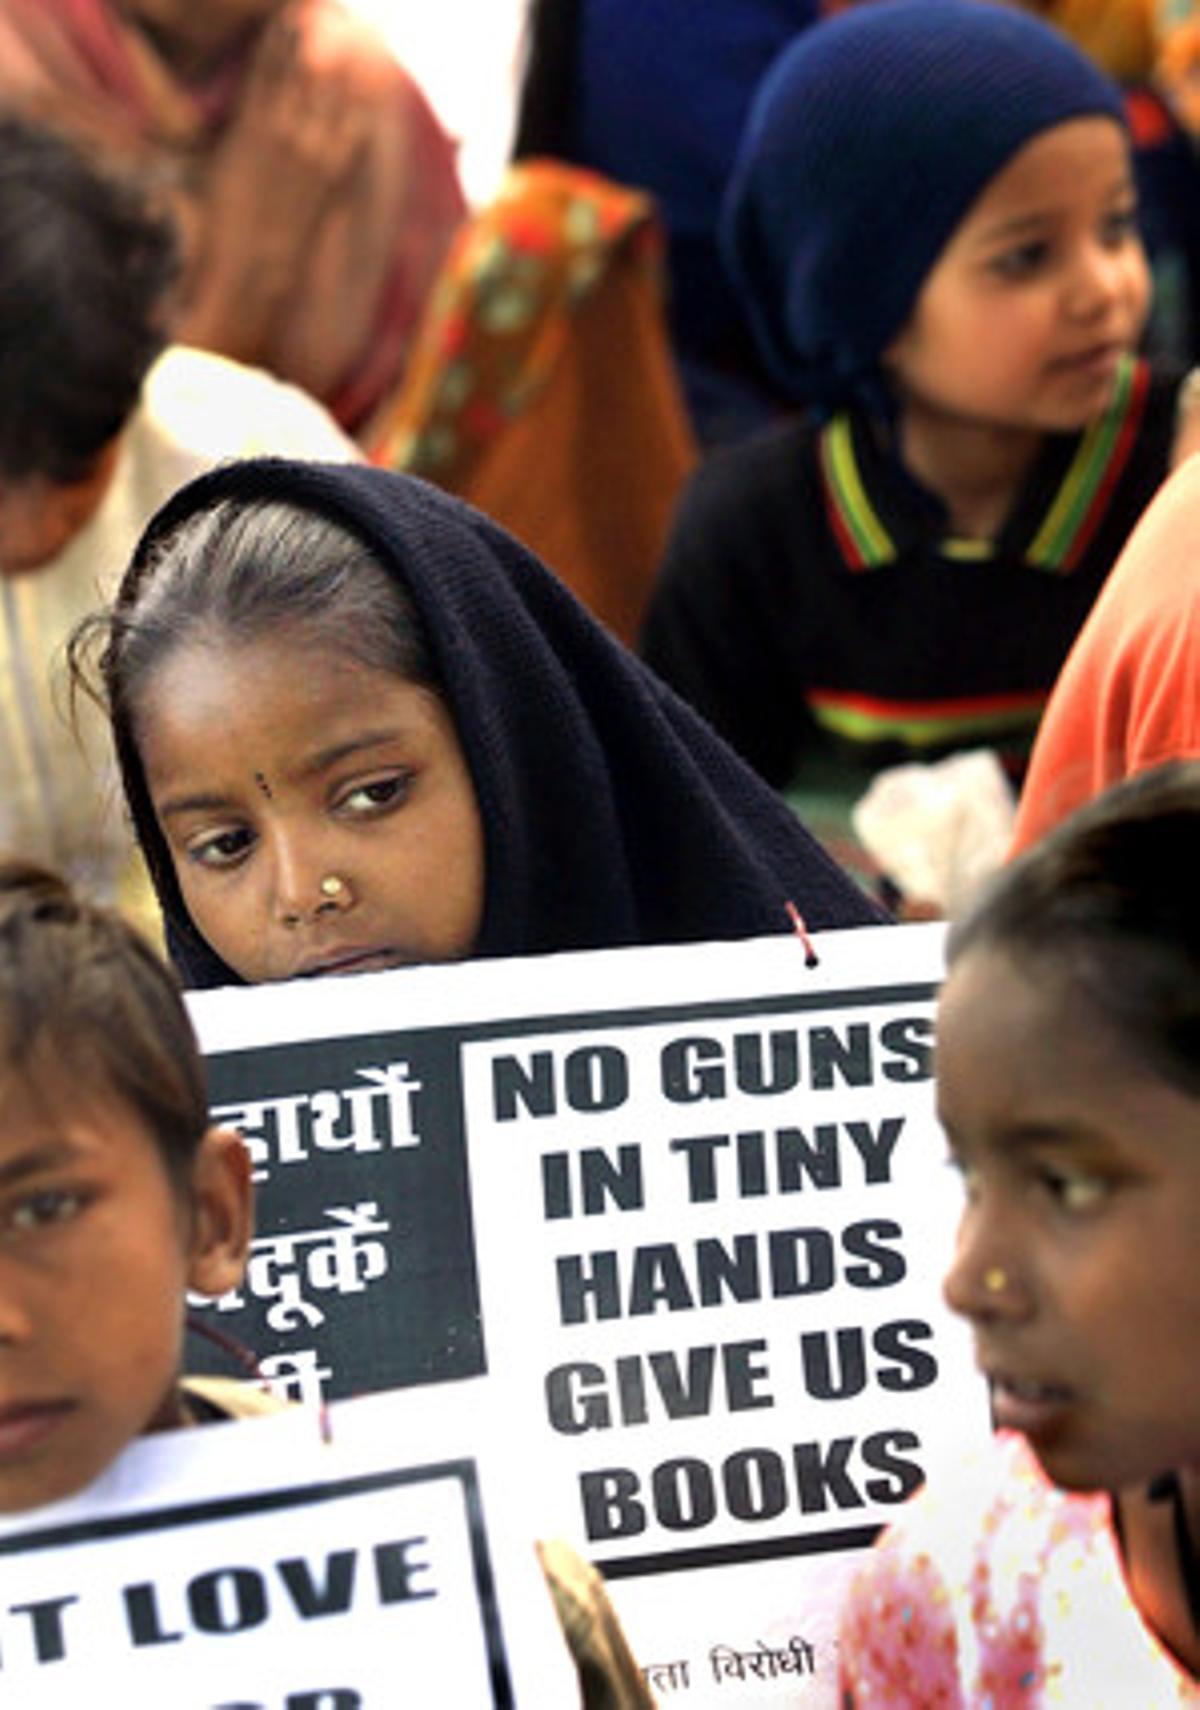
(573, 1021)
(464, 1472)
(728, 1555)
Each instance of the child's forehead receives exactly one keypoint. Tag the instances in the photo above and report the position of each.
(54, 1092)
(1004, 1014)
(1074, 165)
(1019, 1029)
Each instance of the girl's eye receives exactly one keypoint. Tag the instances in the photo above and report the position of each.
(1120, 225)
(223, 849)
(1074, 1190)
(378, 795)
(1021, 261)
(46, 1206)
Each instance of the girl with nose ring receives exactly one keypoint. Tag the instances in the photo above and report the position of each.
(361, 726)
(1065, 1569)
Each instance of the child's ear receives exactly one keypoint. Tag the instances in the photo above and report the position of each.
(222, 1208)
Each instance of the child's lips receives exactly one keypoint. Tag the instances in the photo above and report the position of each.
(350, 959)
(1097, 358)
(1027, 1404)
(25, 1425)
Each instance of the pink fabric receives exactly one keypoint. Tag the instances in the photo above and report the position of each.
(996, 1591)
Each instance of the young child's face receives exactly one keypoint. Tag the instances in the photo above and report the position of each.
(97, 1249)
(1039, 292)
(1076, 1260)
(39, 518)
(274, 766)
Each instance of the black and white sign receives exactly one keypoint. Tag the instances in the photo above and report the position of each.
(263, 1566)
(686, 1210)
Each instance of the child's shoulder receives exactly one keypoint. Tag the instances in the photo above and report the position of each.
(767, 467)
(1127, 453)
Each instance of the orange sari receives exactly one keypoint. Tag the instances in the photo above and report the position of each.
(542, 387)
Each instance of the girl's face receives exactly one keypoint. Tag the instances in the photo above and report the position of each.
(1076, 1260)
(276, 765)
(1040, 291)
(98, 1247)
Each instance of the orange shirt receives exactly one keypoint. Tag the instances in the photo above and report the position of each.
(1128, 696)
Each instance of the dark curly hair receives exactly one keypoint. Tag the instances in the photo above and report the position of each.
(85, 274)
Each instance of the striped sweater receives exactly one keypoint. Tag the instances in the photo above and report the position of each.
(812, 596)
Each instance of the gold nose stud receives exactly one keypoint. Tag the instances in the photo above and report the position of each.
(332, 886)
(995, 1280)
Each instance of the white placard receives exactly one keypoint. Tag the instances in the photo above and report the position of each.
(686, 1209)
(370, 1561)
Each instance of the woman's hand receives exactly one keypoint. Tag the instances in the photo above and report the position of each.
(294, 140)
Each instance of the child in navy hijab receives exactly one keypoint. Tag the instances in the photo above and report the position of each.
(361, 726)
(933, 226)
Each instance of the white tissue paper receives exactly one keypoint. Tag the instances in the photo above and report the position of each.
(938, 830)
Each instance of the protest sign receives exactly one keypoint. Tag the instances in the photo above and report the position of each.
(273, 1565)
(687, 1209)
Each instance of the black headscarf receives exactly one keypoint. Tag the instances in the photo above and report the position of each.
(612, 814)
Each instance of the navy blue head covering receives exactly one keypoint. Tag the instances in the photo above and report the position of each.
(612, 813)
(868, 141)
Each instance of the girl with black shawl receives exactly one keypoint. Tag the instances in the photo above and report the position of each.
(361, 726)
